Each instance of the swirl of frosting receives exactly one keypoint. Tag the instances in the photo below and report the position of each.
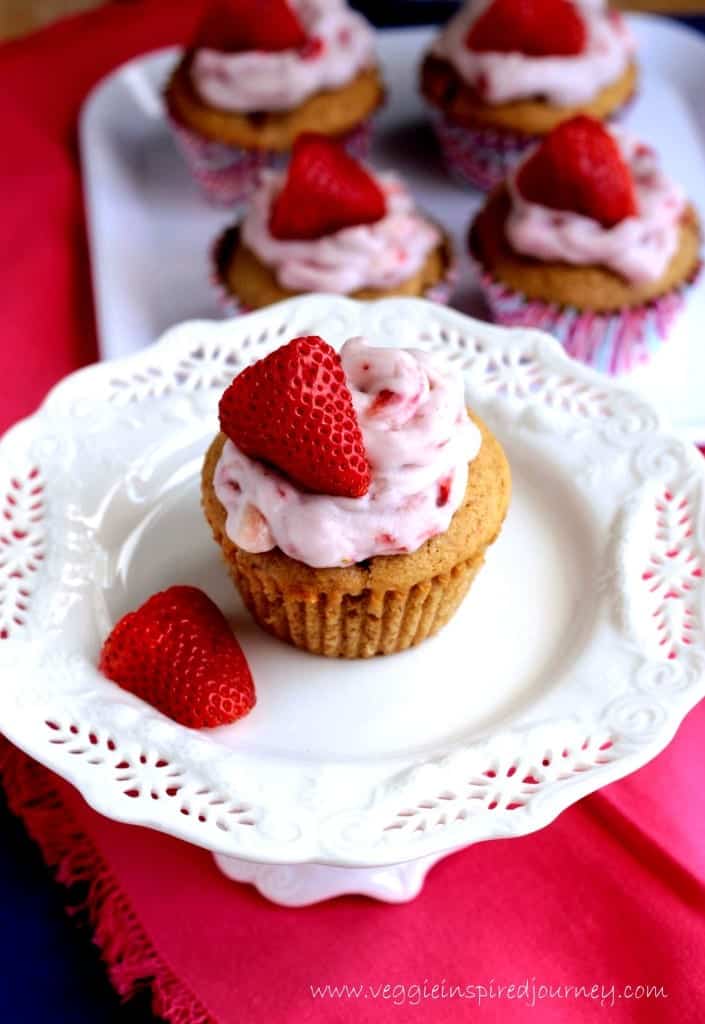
(379, 255)
(419, 441)
(504, 77)
(342, 45)
(639, 248)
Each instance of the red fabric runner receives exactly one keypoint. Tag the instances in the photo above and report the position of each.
(611, 895)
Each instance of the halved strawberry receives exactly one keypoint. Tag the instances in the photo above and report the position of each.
(579, 167)
(538, 28)
(178, 653)
(234, 26)
(293, 409)
(325, 190)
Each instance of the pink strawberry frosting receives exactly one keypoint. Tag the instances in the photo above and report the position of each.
(639, 248)
(419, 441)
(564, 81)
(341, 44)
(379, 255)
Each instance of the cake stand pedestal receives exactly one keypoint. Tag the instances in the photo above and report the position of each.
(301, 885)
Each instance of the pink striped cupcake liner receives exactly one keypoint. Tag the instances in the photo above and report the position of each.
(614, 342)
(483, 157)
(227, 174)
(224, 245)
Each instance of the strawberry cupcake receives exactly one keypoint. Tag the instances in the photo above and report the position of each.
(329, 225)
(590, 240)
(504, 73)
(353, 495)
(252, 81)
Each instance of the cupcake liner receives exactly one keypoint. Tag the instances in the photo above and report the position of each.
(483, 157)
(227, 174)
(342, 625)
(480, 157)
(614, 342)
(222, 249)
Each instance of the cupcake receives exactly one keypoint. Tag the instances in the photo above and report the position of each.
(353, 496)
(505, 73)
(589, 239)
(251, 82)
(329, 225)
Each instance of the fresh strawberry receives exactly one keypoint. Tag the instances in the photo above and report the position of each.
(293, 409)
(579, 167)
(538, 28)
(178, 653)
(233, 26)
(325, 190)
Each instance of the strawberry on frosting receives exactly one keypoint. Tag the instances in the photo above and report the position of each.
(178, 652)
(234, 26)
(293, 410)
(590, 196)
(579, 167)
(325, 190)
(539, 28)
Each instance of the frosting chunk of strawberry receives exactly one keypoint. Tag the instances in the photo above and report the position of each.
(235, 26)
(293, 409)
(579, 167)
(325, 191)
(537, 28)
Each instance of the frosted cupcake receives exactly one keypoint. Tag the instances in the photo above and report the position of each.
(329, 225)
(353, 496)
(590, 240)
(251, 82)
(503, 74)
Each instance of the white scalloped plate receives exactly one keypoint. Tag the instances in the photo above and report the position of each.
(571, 663)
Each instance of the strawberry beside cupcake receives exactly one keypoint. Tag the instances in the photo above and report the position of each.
(590, 240)
(327, 224)
(254, 79)
(504, 73)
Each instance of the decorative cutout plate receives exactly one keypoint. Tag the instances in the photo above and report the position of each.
(571, 663)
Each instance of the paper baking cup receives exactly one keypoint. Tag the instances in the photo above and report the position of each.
(223, 247)
(480, 157)
(613, 342)
(227, 174)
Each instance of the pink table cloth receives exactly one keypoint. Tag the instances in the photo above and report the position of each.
(599, 917)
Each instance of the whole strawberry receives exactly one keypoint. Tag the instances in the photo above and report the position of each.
(234, 26)
(579, 167)
(178, 653)
(325, 191)
(294, 410)
(537, 28)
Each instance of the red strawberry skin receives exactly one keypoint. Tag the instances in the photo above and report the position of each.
(293, 409)
(579, 167)
(325, 190)
(178, 653)
(235, 26)
(537, 28)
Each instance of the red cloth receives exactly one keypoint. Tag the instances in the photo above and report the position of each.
(611, 894)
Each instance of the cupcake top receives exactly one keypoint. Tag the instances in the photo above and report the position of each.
(590, 196)
(561, 51)
(247, 60)
(336, 459)
(329, 225)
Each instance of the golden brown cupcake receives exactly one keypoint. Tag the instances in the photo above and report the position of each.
(249, 85)
(329, 225)
(500, 77)
(589, 240)
(354, 526)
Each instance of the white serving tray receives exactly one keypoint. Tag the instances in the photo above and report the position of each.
(572, 661)
(150, 230)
